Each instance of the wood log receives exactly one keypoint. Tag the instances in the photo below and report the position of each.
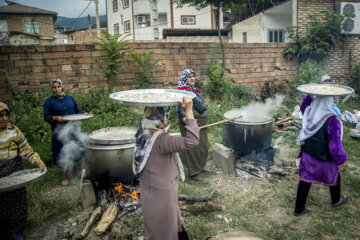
(289, 128)
(207, 207)
(122, 213)
(93, 218)
(195, 199)
(107, 218)
(282, 120)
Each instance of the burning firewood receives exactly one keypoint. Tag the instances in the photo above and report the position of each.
(207, 207)
(94, 217)
(107, 218)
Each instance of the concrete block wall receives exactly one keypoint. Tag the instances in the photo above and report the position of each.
(32, 67)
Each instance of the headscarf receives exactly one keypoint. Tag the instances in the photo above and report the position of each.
(184, 85)
(58, 80)
(324, 78)
(315, 116)
(3, 106)
(153, 123)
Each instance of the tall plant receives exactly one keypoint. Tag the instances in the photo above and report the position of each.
(355, 78)
(321, 35)
(145, 65)
(113, 49)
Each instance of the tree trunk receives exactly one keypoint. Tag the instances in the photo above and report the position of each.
(219, 34)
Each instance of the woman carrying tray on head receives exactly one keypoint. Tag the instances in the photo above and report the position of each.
(196, 158)
(13, 148)
(157, 162)
(322, 154)
(55, 108)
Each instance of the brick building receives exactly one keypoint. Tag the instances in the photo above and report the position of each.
(24, 25)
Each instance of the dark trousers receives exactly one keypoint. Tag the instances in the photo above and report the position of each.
(303, 191)
(183, 235)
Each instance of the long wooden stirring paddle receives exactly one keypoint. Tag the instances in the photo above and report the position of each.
(223, 121)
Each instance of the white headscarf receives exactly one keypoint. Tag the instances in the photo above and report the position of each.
(323, 78)
(315, 116)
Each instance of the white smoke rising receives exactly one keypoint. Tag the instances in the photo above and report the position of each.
(258, 111)
(72, 138)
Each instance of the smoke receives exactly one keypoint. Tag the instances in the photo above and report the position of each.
(258, 111)
(72, 138)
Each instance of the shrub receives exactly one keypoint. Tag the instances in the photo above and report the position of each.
(308, 72)
(355, 78)
(145, 65)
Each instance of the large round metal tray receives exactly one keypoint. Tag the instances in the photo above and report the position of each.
(150, 97)
(77, 117)
(329, 90)
(113, 135)
(354, 133)
(16, 184)
(239, 236)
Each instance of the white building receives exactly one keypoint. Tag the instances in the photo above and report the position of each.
(145, 19)
(267, 26)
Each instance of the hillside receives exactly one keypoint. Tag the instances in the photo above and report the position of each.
(80, 23)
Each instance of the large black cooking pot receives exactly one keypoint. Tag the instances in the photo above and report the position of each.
(248, 136)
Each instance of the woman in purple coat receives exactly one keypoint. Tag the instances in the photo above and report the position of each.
(322, 153)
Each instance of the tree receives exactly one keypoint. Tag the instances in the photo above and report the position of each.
(224, 5)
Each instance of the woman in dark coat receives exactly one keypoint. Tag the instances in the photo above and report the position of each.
(13, 149)
(55, 108)
(196, 158)
(157, 162)
(323, 157)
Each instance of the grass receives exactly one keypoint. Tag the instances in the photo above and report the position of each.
(254, 205)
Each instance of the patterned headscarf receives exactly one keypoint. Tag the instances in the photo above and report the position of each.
(58, 80)
(3, 106)
(184, 85)
(315, 116)
(154, 122)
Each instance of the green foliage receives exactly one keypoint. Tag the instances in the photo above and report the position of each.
(308, 72)
(322, 35)
(113, 49)
(220, 87)
(223, 4)
(145, 65)
(355, 78)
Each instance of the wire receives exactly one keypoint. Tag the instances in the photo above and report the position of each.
(81, 13)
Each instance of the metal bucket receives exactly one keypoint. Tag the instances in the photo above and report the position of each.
(246, 137)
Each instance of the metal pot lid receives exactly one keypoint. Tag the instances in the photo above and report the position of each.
(113, 135)
(249, 118)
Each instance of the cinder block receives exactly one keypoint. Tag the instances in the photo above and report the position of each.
(87, 195)
(224, 158)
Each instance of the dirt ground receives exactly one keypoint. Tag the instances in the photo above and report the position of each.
(253, 190)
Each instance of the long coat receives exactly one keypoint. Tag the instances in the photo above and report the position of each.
(159, 184)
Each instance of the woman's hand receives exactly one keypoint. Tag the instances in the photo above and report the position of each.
(41, 165)
(187, 105)
(183, 120)
(344, 166)
(58, 118)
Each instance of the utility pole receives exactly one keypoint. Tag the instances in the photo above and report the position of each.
(154, 18)
(89, 26)
(97, 18)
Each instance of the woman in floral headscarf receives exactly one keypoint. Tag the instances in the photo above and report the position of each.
(55, 107)
(196, 158)
(13, 149)
(157, 162)
(323, 157)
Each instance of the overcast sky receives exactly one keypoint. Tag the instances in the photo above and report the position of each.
(64, 8)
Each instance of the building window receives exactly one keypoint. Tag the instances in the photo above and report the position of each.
(244, 37)
(116, 29)
(125, 3)
(276, 35)
(115, 6)
(188, 20)
(32, 26)
(82, 38)
(127, 28)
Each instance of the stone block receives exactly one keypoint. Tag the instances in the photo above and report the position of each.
(224, 158)
(87, 195)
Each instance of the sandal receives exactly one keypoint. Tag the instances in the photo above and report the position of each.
(18, 236)
(306, 210)
(197, 178)
(343, 200)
